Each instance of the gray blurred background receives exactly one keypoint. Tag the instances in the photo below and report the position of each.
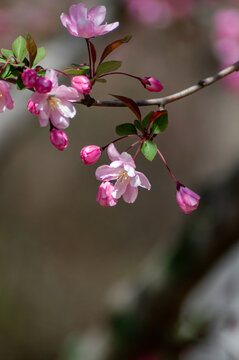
(60, 252)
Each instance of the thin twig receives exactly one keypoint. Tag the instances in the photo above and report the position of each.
(174, 97)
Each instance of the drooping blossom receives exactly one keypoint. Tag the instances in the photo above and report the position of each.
(29, 77)
(82, 84)
(122, 169)
(187, 199)
(105, 194)
(152, 84)
(59, 139)
(6, 101)
(90, 154)
(87, 25)
(56, 105)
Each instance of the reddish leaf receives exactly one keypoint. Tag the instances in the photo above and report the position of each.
(130, 104)
(155, 115)
(114, 45)
(31, 48)
(93, 52)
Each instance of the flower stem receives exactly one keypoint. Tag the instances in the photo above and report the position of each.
(90, 58)
(119, 73)
(138, 149)
(165, 163)
(118, 139)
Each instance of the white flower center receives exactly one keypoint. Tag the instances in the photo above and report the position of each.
(123, 176)
(53, 102)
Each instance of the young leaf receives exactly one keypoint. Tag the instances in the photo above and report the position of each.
(160, 123)
(130, 104)
(74, 72)
(149, 149)
(125, 129)
(108, 66)
(41, 53)
(145, 120)
(31, 48)
(6, 72)
(93, 52)
(138, 125)
(19, 48)
(114, 45)
(101, 80)
(7, 53)
(19, 83)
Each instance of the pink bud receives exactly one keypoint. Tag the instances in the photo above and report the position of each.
(151, 84)
(82, 84)
(32, 107)
(29, 77)
(187, 199)
(43, 85)
(90, 154)
(59, 139)
(104, 196)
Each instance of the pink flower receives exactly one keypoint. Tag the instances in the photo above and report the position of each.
(79, 23)
(6, 101)
(187, 199)
(152, 84)
(90, 154)
(56, 105)
(59, 139)
(29, 77)
(122, 169)
(32, 107)
(105, 195)
(43, 85)
(82, 84)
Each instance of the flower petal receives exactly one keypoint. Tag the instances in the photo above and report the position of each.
(97, 14)
(107, 173)
(66, 93)
(130, 194)
(130, 170)
(43, 118)
(104, 29)
(144, 182)
(52, 75)
(119, 188)
(78, 13)
(113, 152)
(59, 121)
(66, 108)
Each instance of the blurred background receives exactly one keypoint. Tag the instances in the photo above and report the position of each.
(142, 281)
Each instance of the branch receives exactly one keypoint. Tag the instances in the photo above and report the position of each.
(171, 98)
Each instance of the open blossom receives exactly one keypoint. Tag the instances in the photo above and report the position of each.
(87, 25)
(122, 169)
(105, 194)
(56, 105)
(187, 199)
(6, 101)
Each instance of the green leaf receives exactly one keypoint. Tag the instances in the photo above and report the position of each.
(131, 104)
(19, 48)
(126, 129)
(149, 149)
(101, 80)
(6, 72)
(145, 121)
(108, 66)
(82, 67)
(41, 53)
(7, 53)
(19, 83)
(160, 123)
(114, 45)
(138, 125)
(74, 72)
(31, 48)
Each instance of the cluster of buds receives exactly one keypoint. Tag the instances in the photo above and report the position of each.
(53, 105)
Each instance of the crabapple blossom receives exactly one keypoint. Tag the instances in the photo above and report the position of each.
(56, 105)
(87, 25)
(90, 154)
(29, 77)
(122, 169)
(82, 84)
(43, 85)
(187, 199)
(105, 194)
(151, 84)
(59, 139)
(6, 101)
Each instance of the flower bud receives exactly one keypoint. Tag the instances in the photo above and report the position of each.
(187, 199)
(82, 84)
(32, 107)
(43, 85)
(151, 84)
(104, 196)
(29, 77)
(59, 139)
(90, 154)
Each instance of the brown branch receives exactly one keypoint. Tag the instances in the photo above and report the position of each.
(171, 98)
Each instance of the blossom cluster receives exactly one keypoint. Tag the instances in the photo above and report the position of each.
(53, 104)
